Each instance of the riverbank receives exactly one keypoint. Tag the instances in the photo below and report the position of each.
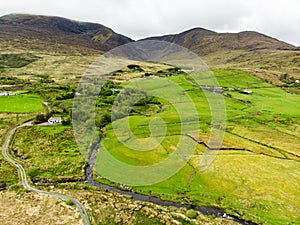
(218, 212)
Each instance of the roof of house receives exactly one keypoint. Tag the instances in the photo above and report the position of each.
(54, 118)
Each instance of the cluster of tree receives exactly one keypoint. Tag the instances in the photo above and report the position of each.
(41, 118)
(66, 95)
(59, 99)
(108, 93)
(174, 71)
(113, 102)
(125, 103)
(103, 119)
(135, 67)
(9, 80)
(288, 80)
(45, 79)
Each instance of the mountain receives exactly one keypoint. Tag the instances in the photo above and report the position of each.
(57, 34)
(63, 35)
(204, 42)
(262, 55)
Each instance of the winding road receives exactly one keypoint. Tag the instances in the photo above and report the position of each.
(136, 196)
(24, 179)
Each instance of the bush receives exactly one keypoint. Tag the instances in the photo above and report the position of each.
(69, 202)
(66, 121)
(192, 214)
(2, 184)
(40, 118)
(33, 172)
(14, 187)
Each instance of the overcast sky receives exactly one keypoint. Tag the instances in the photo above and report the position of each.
(142, 18)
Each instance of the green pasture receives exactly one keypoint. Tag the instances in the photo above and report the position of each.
(260, 183)
(24, 103)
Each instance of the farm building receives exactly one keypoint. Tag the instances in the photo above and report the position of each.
(247, 91)
(4, 93)
(54, 120)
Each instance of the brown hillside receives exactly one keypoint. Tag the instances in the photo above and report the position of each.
(56, 34)
(204, 42)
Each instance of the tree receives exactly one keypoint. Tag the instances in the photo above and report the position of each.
(40, 118)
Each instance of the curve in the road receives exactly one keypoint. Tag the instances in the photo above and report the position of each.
(24, 179)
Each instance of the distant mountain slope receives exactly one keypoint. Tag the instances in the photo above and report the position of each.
(204, 41)
(57, 34)
(264, 56)
(63, 35)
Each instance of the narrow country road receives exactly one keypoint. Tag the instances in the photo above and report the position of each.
(24, 179)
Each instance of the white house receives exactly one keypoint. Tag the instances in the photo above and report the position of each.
(4, 93)
(247, 91)
(54, 120)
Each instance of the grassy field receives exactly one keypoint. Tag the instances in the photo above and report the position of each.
(61, 68)
(8, 174)
(260, 183)
(21, 103)
(49, 152)
(268, 65)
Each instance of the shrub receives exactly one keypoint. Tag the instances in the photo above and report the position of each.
(66, 121)
(69, 202)
(33, 172)
(2, 184)
(14, 187)
(192, 214)
(135, 67)
(40, 118)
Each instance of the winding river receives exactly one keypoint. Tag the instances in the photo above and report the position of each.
(218, 212)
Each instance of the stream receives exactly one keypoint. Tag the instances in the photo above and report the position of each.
(218, 212)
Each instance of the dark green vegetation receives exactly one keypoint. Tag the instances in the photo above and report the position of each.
(9, 176)
(16, 60)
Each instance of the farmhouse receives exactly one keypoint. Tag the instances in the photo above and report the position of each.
(54, 120)
(4, 93)
(247, 91)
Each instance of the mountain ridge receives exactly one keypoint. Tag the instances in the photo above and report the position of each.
(61, 31)
(62, 34)
(203, 41)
